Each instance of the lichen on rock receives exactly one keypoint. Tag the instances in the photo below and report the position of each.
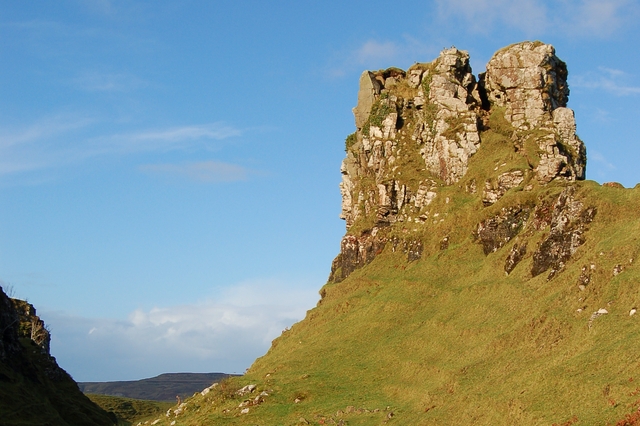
(418, 131)
(569, 221)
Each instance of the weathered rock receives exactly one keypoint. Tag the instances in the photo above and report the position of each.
(9, 322)
(31, 325)
(598, 313)
(356, 252)
(617, 270)
(613, 185)
(585, 277)
(493, 191)
(246, 390)
(448, 131)
(530, 82)
(39, 390)
(414, 250)
(569, 222)
(515, 256)
(418, 130)
(369, 88)
(495, 232)
(444, 243)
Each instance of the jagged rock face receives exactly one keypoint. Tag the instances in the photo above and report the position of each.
(355, 252)
(369, 88)
(496, 231)
(34, 389)
(506, 181)
(440, 107)
(569, 221)
(417, 131)
(9, 344)
(31, 326)
(450, 138)
(530, 82)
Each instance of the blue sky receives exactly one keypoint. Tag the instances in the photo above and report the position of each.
(169, 170)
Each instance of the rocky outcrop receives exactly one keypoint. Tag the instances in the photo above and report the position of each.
(31, 326)
(493, 191)
(515, 256)
(530, 82)
(34, 389)
(9, 320)
(498, 230)
(448, 132)
(418, 131)
(356, 252)
(569, 221)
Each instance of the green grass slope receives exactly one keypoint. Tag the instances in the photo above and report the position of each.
(450, 339)
(129, 410)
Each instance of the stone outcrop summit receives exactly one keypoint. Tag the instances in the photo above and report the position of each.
(417, 131)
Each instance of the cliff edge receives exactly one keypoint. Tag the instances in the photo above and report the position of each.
(34, 390)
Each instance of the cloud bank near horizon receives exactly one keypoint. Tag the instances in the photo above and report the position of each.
(222, 334)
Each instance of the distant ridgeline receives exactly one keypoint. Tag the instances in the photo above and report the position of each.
(34, 390)
(164, 387)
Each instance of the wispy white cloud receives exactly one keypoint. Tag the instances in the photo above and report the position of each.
(535, 18)
(43, 129)
(223, 334)
(600, 159)
(201, 171)
(598, 17)
(163, 140)
(530, 16)
(66, 139)
(187, 133)
(94, 81)
(614, 81)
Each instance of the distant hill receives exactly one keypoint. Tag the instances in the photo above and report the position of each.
(164, 387)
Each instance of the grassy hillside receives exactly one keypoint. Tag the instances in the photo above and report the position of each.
(450, 339)
(507, 298)
(128, 410)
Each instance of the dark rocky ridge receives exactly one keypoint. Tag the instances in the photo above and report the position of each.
(164, 387)
(34, 390)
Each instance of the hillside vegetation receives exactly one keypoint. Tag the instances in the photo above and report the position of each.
(450, 339)
(130, 411)
(481, 281)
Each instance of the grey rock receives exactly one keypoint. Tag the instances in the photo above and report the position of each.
(369, 88)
